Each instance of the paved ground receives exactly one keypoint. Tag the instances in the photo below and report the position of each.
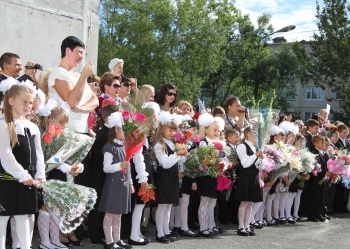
(305, 235)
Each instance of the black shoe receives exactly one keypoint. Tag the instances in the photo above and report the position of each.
(282, 221)
(273, 222)
(301, 219)
(111, 246)
(162, 239)
(204, 233)
(174, 232)
(257, 225)
(170, 237)
(188, 233)
(321, 218)
(312, 219)
(327, 216)
(242, 232)
(121, 243)
(138, 243)
(290, 220)
(218, 229)
(250, 232)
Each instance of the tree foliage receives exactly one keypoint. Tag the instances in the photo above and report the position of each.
(330, 61)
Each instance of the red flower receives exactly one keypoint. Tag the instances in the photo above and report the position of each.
(47, 138)
(109, 101)
(126, 115)
(58, 130)
(139, 117)
(218, 145)
(196, 115)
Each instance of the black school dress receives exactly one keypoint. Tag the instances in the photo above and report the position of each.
(148, 168)
(167, 183)
(248, 185)
(16, 198)
(206, 185)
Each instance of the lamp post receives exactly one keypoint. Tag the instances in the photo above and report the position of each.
(257, 80)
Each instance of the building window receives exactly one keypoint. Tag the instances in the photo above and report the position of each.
(314, 93)
(308, 115)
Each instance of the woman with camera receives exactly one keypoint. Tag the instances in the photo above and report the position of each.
(235, 117)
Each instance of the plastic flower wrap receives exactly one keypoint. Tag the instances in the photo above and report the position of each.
(182, 136)
(148, 194)
(64, 146)
(103, 101)
(261, 122)
(68, 203)
(203, 161)
(272, 158)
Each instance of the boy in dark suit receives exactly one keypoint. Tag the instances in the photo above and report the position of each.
(312, 126)
(316, 184)
(98, 176)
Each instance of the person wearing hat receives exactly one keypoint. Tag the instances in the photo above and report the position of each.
(116, 66)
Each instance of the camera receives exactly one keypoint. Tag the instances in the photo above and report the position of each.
(36, 66)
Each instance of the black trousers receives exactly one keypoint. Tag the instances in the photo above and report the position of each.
(315, 205)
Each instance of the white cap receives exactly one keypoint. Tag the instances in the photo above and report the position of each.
(113, 63)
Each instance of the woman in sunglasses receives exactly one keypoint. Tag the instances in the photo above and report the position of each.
(110, 85)
(166, 97)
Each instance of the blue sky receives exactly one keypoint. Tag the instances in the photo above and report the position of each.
(300, 13)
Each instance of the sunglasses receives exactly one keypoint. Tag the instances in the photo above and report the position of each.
(126, 84)
(116, 85)
(94, 84)
(171, 94)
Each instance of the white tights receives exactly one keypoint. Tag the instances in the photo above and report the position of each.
(184, 201)
(289, 203)
(255, 209)
(162, 219)
(206, 213)
(283, 199)
(297, 203)
(136, 222)
(15, 242)
(244, 211)
(269, 201)
(22, 230)
(175, 219)
(111, 227)
(276, 205)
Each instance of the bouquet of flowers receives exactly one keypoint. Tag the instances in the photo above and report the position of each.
(272, 158)
(68, 203)
(148, 194)
(103, 101)
(64, 146)
(182, 136)
(261, 121)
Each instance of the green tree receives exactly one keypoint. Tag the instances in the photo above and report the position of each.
(331, 49)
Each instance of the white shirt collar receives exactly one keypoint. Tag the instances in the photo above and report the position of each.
(24, 123)
(118, 141)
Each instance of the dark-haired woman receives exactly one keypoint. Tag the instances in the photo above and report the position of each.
(235, 114)
(166, 97)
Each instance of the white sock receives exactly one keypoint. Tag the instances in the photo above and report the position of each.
(282, 204)
(177, 216)
(44, 228)
(3, 230)
(269, 201)
(276, 205)
(255, 209)
(136, 221)
(55, 234)
(184, 201)
(211, 207)
(289, 203)
(160, 213)
(15, 242)
(297, 203)
(166, 219)
(23, 231)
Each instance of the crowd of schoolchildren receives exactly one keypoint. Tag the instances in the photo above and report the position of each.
(183, 206)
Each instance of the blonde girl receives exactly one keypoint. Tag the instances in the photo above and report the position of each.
(209, 132)
(167, 178)
(21, 157)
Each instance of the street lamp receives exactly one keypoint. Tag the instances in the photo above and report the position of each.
(282, 30)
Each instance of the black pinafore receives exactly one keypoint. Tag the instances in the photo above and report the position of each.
(16, 198)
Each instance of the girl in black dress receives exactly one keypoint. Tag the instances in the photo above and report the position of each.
(248, 186)
(167, 178)
(21, 157)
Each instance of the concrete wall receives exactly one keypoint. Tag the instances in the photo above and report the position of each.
(34, 29)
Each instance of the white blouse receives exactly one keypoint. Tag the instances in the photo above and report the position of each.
(77, 120)
(166, 161)
(8, 160)
(246, 160)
